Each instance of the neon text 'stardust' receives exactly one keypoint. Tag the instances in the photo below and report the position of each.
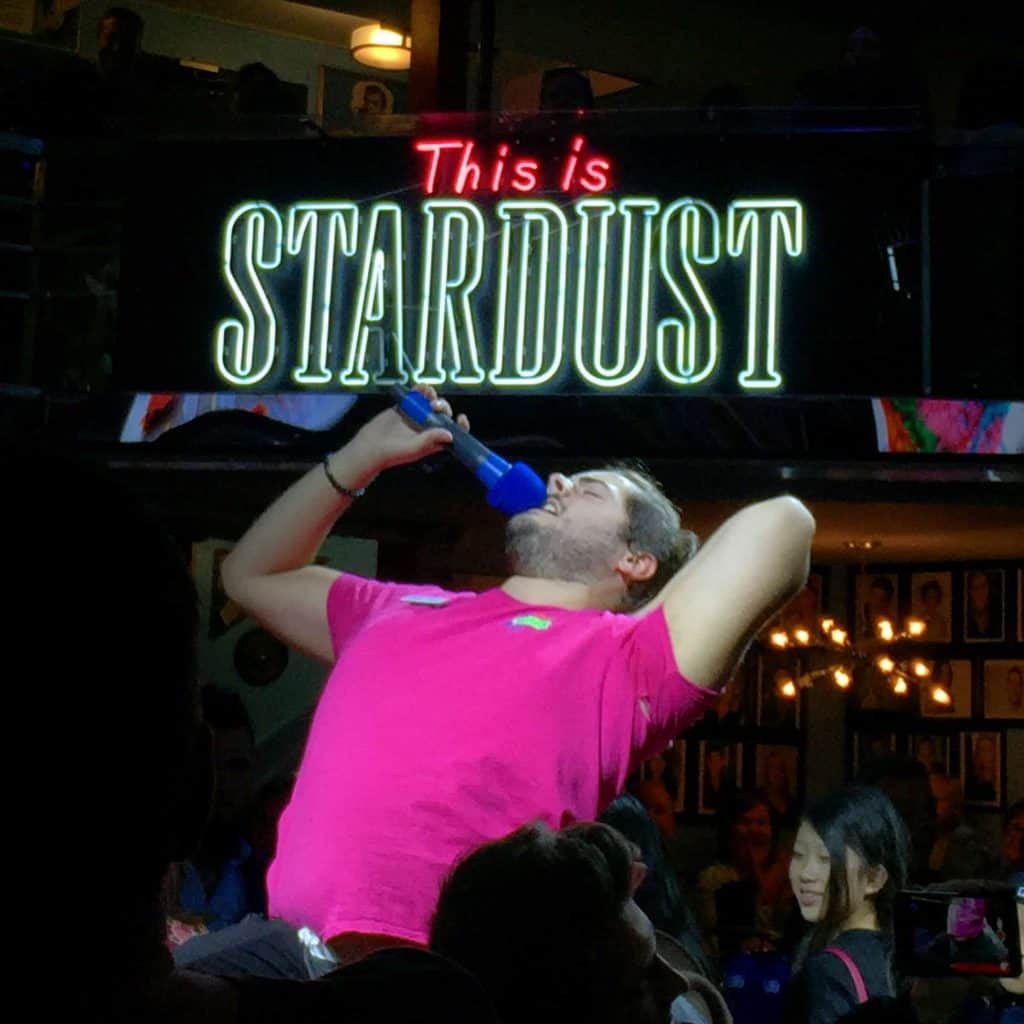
(501, 288)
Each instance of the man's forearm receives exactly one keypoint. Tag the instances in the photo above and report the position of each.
(288, 534)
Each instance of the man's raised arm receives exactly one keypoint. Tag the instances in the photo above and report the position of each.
(748, 570)
(269, 572)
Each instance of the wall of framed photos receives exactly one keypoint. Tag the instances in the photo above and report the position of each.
(757, 738)
(974, 645)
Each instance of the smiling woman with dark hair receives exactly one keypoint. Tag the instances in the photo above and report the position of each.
(849, 861)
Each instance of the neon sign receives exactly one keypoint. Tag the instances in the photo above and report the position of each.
(512, 272)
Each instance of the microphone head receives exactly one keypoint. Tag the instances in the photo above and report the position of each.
(517, 490)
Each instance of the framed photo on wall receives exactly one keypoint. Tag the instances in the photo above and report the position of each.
(805, 609)
(981, 767)
(877, 597)
(931, 600)
(675, 773)
(733, 707)
(347, 102)
(1004, 688)
(932, 750)
(777, 772)
(661, 785)
(955, 677)
(719, 775)
(983, 606)
(774, 709)
(869, 744)
(1020, 605)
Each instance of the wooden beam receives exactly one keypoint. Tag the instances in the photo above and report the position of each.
(440, 54)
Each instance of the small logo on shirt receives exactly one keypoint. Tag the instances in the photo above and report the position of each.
(531, 622)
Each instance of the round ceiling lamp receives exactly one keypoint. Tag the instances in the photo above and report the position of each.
(383, 48)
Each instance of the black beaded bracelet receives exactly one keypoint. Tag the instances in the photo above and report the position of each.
(343, 491)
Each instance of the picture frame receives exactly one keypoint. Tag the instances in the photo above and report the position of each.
(733, 708)
(956, 675)
(984, 605)
(676, 758)
(877, 597)
(719, 774)
(806, 608)
(1020, 605)
(660, 785)
(777, 772)
(981, 767)
(1003, 688)
(871, 743)
(931, 601)
(773, 710)
(349, 102)
(932, 750)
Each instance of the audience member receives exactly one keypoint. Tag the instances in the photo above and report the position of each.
(745, 900)
(659, 895)
(989, 108)
(223, 880)
(270, 801)
(1012, 866)
(905, 781)
(652, 790)
(134, 764)
(959, 851)
(547, 921)
(566, 89)
(258, 91)
(870, 73)
(849, 861)
(780, 786)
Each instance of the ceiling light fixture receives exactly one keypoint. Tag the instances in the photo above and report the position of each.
(379, 47)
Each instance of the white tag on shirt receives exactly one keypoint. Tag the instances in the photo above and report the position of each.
(433, 600)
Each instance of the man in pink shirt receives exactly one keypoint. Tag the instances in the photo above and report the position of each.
(531, 701)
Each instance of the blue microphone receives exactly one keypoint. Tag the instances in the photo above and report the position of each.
(511, 487)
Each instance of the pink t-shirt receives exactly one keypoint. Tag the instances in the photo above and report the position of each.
(449, 720)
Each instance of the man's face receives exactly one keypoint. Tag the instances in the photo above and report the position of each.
(753, 830)
(879, 601)
(1013, 840)
(115, 47)
(947, 805)
(978, 590)
(578, 534)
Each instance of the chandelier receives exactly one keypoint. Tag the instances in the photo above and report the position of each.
(889, 651)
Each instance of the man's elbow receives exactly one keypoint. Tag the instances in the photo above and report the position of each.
(789, 526)
(232, 580)
(792, 517)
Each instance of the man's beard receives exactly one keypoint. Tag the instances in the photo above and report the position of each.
(540, 550)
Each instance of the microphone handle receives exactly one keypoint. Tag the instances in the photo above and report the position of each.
(465, 447)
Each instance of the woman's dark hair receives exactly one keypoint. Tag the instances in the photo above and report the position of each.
(659, 895)
(537, 918)
(862, 819)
